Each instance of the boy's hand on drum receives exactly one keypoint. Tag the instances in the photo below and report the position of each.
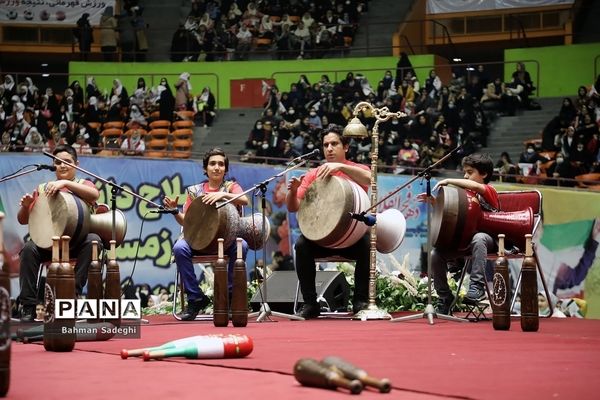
(294, 183)
(213, 197)
(51, 188)
(170, 203)
(441, 183)
(54, 187)
(26, 200)
(422, 197)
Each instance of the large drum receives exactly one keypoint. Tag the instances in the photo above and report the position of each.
(457, 216)
(324, 213)
(204, 224)
(66, 214)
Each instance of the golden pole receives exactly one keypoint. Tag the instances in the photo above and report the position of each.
(356, 129)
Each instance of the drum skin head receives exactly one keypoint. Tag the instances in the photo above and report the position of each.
(61, 214)
(204, 225)
(324, 214)
(200, 225)
(447, 219)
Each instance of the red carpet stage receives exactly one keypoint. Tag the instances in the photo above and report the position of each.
(445, 360)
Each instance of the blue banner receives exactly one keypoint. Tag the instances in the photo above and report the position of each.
(151, 236)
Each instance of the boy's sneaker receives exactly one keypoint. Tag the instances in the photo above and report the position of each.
(310, 311)
(443, 305)
(475, 295)
(194, 307)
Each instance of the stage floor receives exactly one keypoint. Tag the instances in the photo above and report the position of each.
(463, 360)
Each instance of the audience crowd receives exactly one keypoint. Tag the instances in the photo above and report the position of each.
(230, 30)
(439, 116)
(568, 145)
(34, 120)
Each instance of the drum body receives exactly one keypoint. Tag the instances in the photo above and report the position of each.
(324, 213)
(457, 216)
(251, 230)
(453, 219)
(204, 224)
(67, 214)
(58, 215)
(101, 224)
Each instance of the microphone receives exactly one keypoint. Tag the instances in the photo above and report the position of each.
(306, 156)
(163, 210)
(44, 166)
(369, 219)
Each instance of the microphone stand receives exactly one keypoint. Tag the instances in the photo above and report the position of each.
(429, 311)
(28, 171)
(115, 189)
(425, 173)
(265, 311)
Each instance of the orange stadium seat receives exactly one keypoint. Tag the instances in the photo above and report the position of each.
(113, 124)
(111, 141)
(94, 125)
(588, 180)
(185, 115)
(156, 148)
(182, 148)
(159, 133)
(183, 133)
(183, 124)
(160, 123)
(263, 42)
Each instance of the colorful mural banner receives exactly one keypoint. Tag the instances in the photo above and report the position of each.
(150, 236)
(52, 12)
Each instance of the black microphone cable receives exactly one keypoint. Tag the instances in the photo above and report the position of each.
(137, 251)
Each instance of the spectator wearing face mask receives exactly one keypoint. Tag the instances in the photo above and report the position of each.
(257, 137)
(34, 141)
(166, 100)
(408, 156)
(81, 146)
(559, 170)
(291, 118)
(568, 142)
(581, 159)
(136, 116)
(314, 120)
(391, 141)
(134, 144)
(530, 155)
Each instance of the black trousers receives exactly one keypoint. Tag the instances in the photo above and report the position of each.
(32, 256)
(307, 251)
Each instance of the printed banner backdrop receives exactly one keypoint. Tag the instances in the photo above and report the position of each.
(567, 242)
(52, 12)
(153, 233)
(451, 6)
